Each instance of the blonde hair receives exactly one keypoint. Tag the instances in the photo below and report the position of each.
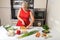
(24, 3)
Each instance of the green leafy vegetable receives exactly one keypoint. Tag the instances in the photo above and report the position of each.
(45, 31)
(28, 34)
(45, 27)
(8, 27)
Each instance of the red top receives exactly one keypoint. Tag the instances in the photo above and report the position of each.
(25, 17)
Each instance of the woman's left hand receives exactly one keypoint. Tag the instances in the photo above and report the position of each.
(28, 27)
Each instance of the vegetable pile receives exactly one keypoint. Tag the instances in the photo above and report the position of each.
(8, 27)
(46, 29)
(28, 34)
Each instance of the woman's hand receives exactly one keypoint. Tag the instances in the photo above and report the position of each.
(28, 26)
(23, 22)
(32, 20)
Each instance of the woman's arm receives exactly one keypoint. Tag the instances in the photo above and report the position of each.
(19, 17)
(32, 20)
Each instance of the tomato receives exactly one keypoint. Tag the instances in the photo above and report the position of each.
(18, 32)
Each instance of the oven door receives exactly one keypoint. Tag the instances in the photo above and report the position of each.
(39, 14)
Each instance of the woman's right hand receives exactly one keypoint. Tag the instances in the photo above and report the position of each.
(23, 22)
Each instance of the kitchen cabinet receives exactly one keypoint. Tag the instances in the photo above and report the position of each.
(40, 12)
(40, 17)
(40, 3)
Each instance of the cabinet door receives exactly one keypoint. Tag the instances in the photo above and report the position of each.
(40, 3)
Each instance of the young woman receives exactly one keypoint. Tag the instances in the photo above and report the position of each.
(24, 15)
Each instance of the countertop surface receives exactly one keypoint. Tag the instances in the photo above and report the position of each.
(54, 33)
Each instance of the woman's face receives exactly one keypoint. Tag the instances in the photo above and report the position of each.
(25, 5)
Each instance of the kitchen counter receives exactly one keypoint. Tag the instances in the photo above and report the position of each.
(54, 33)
